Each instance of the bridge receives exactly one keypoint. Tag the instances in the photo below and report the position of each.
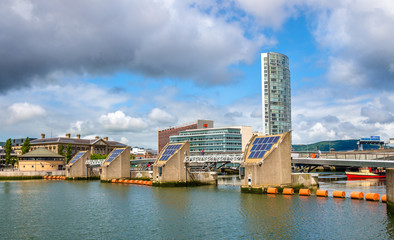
(340, 159)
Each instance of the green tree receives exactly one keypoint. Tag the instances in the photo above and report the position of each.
(68, 153)
(26, 146)
(8, 150)
(98, 156)
(60, 150)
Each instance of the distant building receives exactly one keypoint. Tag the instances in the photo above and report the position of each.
(97, 145)
(40, 159)
(164, 135)
(215, 140)
(276, 95)
(143, 153)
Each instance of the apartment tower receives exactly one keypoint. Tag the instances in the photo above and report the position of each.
(276, 95)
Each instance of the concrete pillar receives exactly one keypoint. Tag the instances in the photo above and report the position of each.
(172, 171)
(119, 167)
(272, 170)
(390, 185)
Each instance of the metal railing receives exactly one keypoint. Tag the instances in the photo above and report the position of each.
(216, 158)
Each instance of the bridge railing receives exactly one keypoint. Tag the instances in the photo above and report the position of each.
(216, 158)
(95, 162)
(348, 155)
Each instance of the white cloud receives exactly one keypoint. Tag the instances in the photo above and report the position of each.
(161, 116)
(19, 112)
(118, 121)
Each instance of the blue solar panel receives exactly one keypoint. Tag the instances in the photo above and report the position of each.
(114, 154)
(76, 157)
(261, 145)
(169, 151)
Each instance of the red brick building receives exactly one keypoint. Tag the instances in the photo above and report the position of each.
(164, 135)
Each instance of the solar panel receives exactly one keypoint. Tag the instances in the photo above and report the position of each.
(169, 151)
(114, 154)
(261, 145)
(76, 157)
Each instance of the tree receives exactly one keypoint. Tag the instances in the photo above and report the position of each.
(60, 150)
(8, 150)
(68, 153)
(26, 146)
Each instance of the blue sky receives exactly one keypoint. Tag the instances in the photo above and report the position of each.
(125, 69)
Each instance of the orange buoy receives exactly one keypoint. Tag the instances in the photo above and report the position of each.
(384, 198)
(357, 195)
(305, 192)
(339, 194)
(313, 155)
(114, 180)
(45, 177)
(272, 190)
(372, 197)
(288, 191)
(121, 181)
(143, 182)
(322, 193)
(149, 183)
(139, 182)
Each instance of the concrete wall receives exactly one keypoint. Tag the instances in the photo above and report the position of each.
(118, 168)
(173, 170)
(274, 170)
(205, 177)
(390, 185)
(32, 173)
(141, 174)
(78, 168)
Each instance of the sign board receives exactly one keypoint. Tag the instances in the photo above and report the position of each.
(375, 138)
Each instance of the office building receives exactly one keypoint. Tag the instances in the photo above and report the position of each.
(276, 94)
(215, 140)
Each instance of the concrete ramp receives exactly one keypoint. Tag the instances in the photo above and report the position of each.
(116, 165)
(169, 167)
(267, 161)
(76, 168)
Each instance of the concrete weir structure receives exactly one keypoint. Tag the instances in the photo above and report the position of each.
(169, 167)
(266, 162)
(390, 186)
(76, 168)
(116, 165)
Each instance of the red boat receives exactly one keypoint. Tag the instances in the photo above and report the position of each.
(365, 173)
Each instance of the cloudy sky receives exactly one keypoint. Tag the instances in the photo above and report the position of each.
(125, 69)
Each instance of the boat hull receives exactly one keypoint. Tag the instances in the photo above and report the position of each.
(357, 175)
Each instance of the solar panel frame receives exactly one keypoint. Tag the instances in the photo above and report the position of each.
(261, 145)
(114, 154)
(76, 157)
(169, 151)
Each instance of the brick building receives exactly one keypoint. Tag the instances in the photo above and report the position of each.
(164, 135)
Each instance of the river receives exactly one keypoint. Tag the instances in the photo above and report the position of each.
(48, 209)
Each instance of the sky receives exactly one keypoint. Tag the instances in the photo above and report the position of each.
(124, 69)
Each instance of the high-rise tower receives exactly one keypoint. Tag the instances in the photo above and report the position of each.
(275, 76)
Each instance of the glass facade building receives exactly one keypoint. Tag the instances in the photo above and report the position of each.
(215, 140)
(276, 94)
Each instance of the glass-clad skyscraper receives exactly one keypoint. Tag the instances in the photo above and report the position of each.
(276, 93)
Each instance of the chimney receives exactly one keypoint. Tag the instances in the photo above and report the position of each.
(78, 136)
(97, 137)
(42, 135)
(105, 138)
(68, 135)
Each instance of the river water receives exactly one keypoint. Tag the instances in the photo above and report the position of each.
(48, 209)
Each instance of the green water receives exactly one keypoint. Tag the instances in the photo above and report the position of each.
(40, 209)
